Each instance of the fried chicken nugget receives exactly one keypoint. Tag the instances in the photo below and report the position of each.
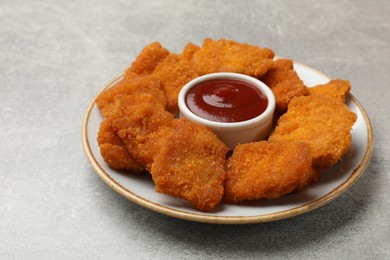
(114, 150)
(336, 88)
(189, 50)
(174, 72)
(230, 56)
(136, 85)
(268, 170)
(322, 122)
(284, 83)
(147, 60)
(191, 165)
(142, 125)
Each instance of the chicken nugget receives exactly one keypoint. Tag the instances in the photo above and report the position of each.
(268, 170)
(284, 83)
(336, 88)
(114, 151)
(322, 122)
(142, 125)
(230, 56)
(137, 85)
(147, 150)
(147, 60)
(191, 165)
(174, 73)
(189, 51)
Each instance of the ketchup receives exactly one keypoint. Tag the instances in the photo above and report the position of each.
(226, 100)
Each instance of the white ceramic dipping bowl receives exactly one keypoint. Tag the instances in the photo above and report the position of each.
(255, 129)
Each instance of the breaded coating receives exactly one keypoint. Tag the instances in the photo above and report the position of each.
(230, 56)
(142, 125)
(191, 165)
(114, 151)
(138, 85)
(189, 51)
(174, 73)
(268, 170)
(336, 88)
(130, 75)
(140, 133)
(284, 83)
(322, 122)
(147, 60)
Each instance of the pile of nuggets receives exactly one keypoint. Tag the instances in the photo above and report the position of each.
(141, 133)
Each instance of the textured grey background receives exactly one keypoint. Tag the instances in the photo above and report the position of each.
(56, 55)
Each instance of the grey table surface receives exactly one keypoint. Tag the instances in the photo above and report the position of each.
(56, 55)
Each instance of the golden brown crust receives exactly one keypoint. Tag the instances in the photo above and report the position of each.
(268, 170)
(284, 83)
(191, 165)
(147, 60)
(322, 122)
(138, 121)
(114, 151)
(174, 73)
(230, 56)
(336, 88)
(189, 50)
(137, 85)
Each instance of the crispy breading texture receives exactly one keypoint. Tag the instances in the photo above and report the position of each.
(142, 125)
(337, 88)
(189, 50)
(268, 170)
(284, 83)
(174, 73)
(137, 85)
(114, 151)
(191, 165)
(322, 122)
(187, 160)
(147, 60)
(230, 56)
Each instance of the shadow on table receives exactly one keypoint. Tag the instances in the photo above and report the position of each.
(284, 235)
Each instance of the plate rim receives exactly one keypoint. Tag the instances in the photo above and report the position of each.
(212, 219)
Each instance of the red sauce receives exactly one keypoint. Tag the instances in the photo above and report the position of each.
(226, 100)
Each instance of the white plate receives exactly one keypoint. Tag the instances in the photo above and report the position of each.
(139, 188)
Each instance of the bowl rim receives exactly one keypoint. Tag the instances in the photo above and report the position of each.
(253, 122)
